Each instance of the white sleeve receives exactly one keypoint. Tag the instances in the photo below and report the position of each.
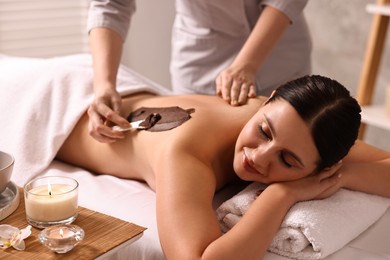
(112, 14)
(292, 8)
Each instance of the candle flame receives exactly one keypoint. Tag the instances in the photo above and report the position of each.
(61, 233)
(49, 188)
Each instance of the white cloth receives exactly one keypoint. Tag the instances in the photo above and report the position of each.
(40, 102)
(312, 229)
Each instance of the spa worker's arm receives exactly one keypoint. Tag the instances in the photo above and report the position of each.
(237, 83)
(108, 24)
(367, 169)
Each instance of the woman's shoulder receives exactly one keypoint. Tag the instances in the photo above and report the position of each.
(213, 123)
(210, 132)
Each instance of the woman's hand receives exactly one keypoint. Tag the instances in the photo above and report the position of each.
(236, 84)
(316, 186)
(103, 113)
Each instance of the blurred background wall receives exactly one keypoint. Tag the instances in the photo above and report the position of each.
(340, 32)
(148, 44)
(43, 28)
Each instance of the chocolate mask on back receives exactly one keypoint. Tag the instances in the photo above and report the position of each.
(161, 118)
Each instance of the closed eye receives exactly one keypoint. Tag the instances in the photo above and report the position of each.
(286, 157)
(263, 132)
(282, 158)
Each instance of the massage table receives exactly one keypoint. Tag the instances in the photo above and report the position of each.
(129, 200)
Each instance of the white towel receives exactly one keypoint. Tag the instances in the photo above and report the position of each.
(42, 99)
(312, 229)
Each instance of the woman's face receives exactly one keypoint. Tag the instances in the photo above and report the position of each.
(275, 145)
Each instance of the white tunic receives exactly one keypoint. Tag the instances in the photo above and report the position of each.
(208, 34)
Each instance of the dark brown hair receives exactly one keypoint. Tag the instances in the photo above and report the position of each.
(332, 114)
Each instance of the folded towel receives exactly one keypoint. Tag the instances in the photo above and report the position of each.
(42, 99)
(312, 229)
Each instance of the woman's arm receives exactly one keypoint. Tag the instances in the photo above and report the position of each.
(187, 224)
(367, 169)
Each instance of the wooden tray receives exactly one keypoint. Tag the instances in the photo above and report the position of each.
(102, 234)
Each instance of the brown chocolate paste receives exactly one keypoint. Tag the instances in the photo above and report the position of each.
(160, 118)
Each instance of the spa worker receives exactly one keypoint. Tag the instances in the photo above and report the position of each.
(235, 49)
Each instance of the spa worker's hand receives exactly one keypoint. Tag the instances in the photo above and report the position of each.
(236, 84)
(103, 113)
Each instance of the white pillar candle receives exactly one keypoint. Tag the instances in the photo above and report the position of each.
(51, 200)
(59, 204)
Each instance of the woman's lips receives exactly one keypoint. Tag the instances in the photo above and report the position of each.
(248, 164)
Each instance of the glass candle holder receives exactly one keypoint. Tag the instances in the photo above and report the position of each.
(51, 201)
(61, 238)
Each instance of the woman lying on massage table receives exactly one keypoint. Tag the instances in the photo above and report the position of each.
(298, 141)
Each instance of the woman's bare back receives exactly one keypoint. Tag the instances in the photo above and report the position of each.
(209, 135)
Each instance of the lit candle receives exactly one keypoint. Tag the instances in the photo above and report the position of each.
(62, 233)
(50, 203)
(61, 238)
